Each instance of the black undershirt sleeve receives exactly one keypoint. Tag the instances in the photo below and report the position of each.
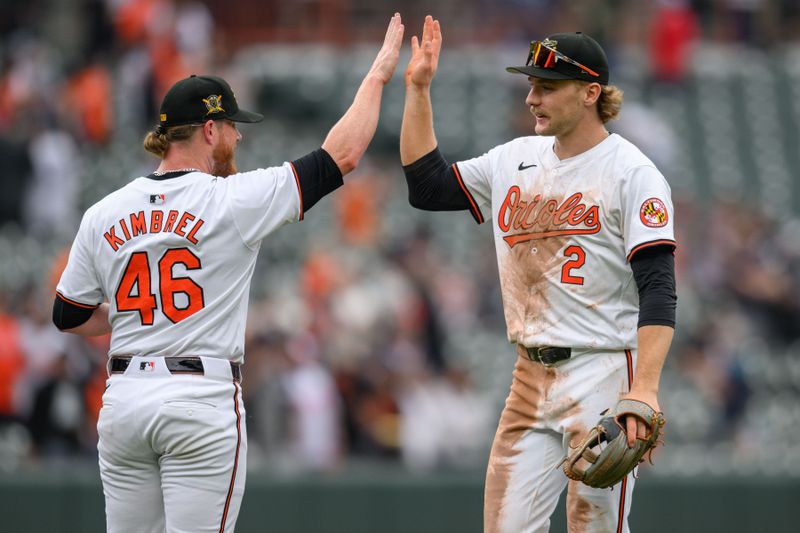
(318, 175)
(654, 272)
(433, 185)
(68, 316)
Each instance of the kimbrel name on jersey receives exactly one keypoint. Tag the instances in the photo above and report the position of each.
(549, 218)
(136, 224)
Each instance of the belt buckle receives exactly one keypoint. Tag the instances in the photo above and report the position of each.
(547, 355)
(533, 354)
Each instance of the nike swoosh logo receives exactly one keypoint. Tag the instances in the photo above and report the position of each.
(523, 166)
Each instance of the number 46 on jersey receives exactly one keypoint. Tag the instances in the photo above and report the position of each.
(135, 289)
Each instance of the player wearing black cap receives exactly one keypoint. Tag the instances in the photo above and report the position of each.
(164, 264)
(583, 227)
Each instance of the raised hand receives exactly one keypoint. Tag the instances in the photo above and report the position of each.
(425, 54)
(386, 61)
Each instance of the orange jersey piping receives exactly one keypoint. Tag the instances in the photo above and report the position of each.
(236, 457)
(76, 304)
(299, 190)
(648, 245)
(474, 209)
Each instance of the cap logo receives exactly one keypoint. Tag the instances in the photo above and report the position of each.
(163, 117)
(213, 104)
(550, 43)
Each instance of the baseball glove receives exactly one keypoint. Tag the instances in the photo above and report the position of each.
(602, 458)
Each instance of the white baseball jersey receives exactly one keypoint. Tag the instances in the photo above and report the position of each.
(564, 233)
(174, 258)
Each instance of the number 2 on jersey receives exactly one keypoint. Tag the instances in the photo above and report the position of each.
(142, 300)
(578, 259)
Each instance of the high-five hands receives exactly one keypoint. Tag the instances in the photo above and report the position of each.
(386, 61)
(424, 54)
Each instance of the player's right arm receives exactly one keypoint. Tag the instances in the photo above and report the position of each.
(80, 320)
(78, 306)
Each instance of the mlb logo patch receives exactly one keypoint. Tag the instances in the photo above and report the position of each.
(157, 199)
(147, 366)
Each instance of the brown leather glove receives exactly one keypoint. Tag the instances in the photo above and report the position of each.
(602, 458)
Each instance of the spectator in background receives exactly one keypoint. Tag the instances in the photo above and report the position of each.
(419, 263)
(57, 412)
(674, 30)
(194, 30)
(314, 405)
(442, 420)
(12, 362)
(357, 209)
(51, 197)
(268, 413)
(14, 180)
(88, 101)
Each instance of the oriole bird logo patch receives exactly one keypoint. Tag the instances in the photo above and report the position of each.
(213, 104)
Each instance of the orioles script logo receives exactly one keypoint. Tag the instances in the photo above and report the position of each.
(549, 219)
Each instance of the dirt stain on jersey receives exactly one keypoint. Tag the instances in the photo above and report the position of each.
(530, 388)
(523, 272)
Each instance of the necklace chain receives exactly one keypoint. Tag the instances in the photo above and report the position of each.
(161, 173)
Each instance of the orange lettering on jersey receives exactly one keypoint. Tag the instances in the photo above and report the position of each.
(506, 211)
(563, 211)
(528, 221)
(171, 218)
(155, 220)
(545, 217)
(190, 237)
(113, 241)
(592, 216)
(125, 229)
(175, 222)
(185, 219)
(551, 219)
(576, 214)
(138, 224)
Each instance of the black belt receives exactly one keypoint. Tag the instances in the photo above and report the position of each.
(547, 355)
(176, 365)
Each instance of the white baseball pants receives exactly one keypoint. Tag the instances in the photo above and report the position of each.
(548, 409)
(172, 449)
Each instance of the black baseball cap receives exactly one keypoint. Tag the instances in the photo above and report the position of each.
(196, 99)
(569, 48)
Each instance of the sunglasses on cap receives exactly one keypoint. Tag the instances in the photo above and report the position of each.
(542, 55)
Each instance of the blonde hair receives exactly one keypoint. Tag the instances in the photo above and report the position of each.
(609, 102)
(159, 140)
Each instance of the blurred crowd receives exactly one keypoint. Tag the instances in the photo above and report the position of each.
(368, 348)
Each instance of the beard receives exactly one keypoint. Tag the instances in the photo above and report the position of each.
(224, 163)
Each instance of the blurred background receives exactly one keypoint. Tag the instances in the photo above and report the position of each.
(376, 359)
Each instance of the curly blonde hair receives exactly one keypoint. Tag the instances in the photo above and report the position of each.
(159, 140)
(609, 102)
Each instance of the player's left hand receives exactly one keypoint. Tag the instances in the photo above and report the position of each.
(424, 59)
(386, 61)
(635, 427)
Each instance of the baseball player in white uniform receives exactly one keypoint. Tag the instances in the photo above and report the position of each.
(583, 226)
(164, 264)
